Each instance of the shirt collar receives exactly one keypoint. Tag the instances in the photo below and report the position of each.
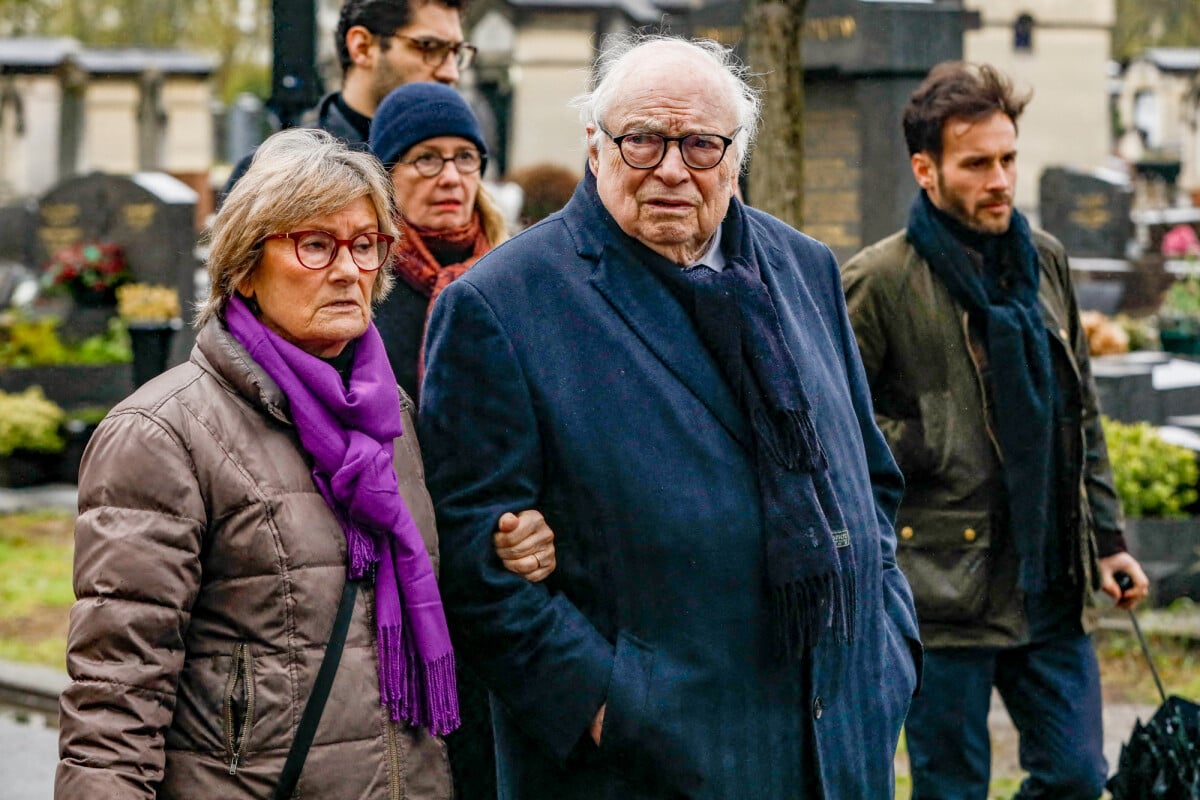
(713, 258)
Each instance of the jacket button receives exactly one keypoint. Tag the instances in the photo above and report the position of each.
(969, 534)
(906, 532)
(818, 708)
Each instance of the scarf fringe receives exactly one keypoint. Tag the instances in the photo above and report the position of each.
(790, 437)
(421, 693)
(797, 628)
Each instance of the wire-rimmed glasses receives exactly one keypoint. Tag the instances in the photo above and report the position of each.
(430, 164)
(645, 150)
(434, 50)
(319, 249)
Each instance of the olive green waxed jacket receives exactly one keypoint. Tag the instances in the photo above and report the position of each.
(926, 373)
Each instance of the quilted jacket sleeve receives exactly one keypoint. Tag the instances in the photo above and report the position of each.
(136, 576)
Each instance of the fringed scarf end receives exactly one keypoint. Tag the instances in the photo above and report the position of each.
(790, 437)
(803, 610)
(421, 693)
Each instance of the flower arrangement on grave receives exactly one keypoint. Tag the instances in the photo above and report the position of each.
(89, 271)
(1179, 312)
(151, 314)
(147, 303)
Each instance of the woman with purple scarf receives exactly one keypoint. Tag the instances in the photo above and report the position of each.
(227, 507)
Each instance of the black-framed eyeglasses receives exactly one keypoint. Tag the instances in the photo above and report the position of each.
(644, 150)
(434, 50)
(319, 249)
(430, 165)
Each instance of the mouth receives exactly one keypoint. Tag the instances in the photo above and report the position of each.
(669, 204)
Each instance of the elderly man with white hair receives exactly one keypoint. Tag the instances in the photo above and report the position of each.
(672, 379)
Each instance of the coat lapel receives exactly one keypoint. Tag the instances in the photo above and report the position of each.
(660, 322)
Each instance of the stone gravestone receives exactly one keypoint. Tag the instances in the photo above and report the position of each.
(151, 215)
(1090, 213)
(861, 62)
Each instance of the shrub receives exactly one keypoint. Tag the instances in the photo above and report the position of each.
(28, 421)
(1153, 478)
(36, 342)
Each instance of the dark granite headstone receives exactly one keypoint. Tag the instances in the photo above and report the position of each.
(151, 215)
(16, 234)
(1089, 213)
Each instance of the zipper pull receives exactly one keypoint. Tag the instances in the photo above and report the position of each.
(233, 765)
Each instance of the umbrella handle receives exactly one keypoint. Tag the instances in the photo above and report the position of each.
(1126, 583)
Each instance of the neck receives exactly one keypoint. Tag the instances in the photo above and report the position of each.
(356, 92)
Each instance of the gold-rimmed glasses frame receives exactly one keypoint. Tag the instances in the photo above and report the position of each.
(646, 150)
(316, 250)
(434, 50)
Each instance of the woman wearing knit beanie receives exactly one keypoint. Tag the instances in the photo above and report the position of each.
(430, 141)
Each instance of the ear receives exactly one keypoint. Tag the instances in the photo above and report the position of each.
(360, 43)
(924, 170)
(593, 148)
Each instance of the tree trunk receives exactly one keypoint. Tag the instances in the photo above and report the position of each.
(776, 180)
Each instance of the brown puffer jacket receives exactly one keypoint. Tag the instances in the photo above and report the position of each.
(208, 571)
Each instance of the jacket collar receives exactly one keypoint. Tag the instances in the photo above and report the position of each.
(647, 306)
(224, 356)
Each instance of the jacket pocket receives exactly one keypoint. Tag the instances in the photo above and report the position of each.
(638, 738)
(946, 557)
(238, 708)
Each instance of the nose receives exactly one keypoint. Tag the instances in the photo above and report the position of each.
(449, 173)
(447, 71)
(343, 267)
(672, 169)
(999, 178)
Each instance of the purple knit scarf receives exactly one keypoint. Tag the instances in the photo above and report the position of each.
(349, 433)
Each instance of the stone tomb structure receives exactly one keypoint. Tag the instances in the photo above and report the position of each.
(150, 215)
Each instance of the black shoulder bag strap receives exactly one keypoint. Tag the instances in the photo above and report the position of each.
(315, 706)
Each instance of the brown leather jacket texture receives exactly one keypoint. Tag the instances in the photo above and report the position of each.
(208, 571)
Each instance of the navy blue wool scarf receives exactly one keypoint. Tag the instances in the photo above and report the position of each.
(809, 560)
(1002, 299)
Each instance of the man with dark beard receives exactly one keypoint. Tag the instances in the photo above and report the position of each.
(979, 371)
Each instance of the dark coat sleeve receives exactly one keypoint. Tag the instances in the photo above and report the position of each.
(887, 485)
(543, 659)
(137, 573)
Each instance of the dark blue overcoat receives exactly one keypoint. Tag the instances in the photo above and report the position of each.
(562, 375)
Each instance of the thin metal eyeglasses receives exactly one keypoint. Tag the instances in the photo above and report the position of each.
(644, 150)
(430, 165)
(318, 249)
(434, 50)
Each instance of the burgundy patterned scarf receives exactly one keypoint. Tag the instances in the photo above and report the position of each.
(350, 435)
(420, 260)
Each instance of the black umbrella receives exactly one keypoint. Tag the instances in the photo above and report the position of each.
(1161, 760)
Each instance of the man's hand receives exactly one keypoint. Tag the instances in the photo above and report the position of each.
(597, 727)
(525, 544)
(1123, 562)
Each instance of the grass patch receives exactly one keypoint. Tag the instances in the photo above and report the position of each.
(1126, 677)
(35, 586)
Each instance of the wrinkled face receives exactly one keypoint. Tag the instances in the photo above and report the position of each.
(446, 200)
(399, 61)
(673, 209)
(319, 311)
(977, 176)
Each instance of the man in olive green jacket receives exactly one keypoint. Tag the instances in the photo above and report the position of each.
(979, 372)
